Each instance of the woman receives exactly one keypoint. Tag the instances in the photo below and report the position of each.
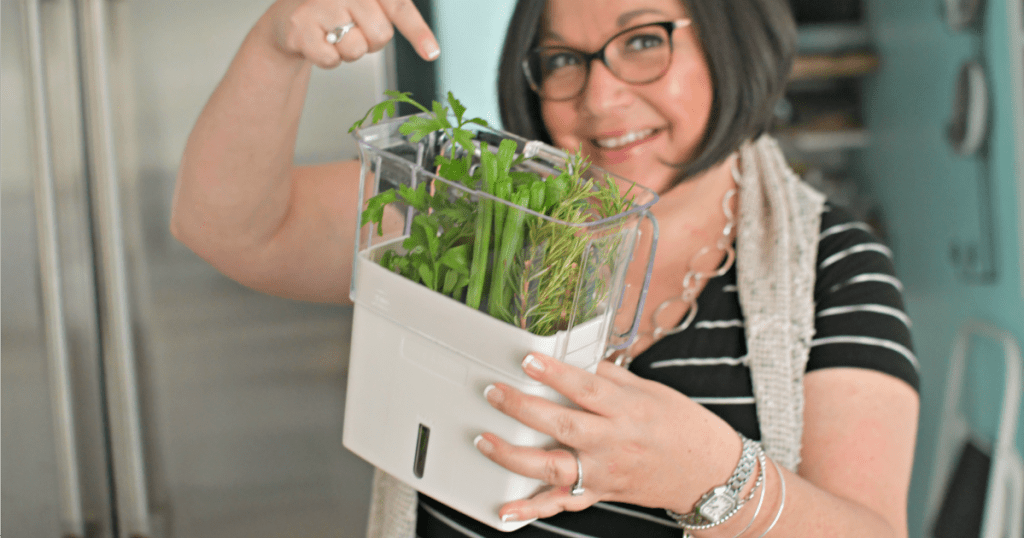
(798, 340)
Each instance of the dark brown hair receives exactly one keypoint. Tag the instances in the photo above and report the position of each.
(749, 47)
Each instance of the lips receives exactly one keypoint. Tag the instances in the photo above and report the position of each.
(622, 141)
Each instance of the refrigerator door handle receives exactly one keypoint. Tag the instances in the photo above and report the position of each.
(126, 436)
(58, 365)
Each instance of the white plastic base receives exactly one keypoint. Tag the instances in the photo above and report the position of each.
(420, 360)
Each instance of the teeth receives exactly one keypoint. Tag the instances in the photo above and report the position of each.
(628, 138)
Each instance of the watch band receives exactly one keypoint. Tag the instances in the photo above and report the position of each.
(721, 503)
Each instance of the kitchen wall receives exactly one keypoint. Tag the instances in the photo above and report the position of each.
(931, 202)
(471, 35)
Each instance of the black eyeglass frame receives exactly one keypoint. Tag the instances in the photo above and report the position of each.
(589, 57)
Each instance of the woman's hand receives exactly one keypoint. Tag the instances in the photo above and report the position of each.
(634, 438)
(300, 28)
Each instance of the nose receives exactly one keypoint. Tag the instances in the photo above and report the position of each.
(603, 90)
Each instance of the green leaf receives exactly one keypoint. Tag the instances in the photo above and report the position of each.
(399, 264)
(457, 214)
(456, 170)
(439, 110)
(454, 283)
(417, 127)
(451, 278)
(388, 259)
(457, 108)
(433, 242)
(377, 112)
(427, 276)
(537, 194)
(464, 138)
(374, 211)
(457, 259)
(424, 230)
(418, 197)
(387, 107)
(478, 121)
(555, 189)
(416, 243)
(404, 97)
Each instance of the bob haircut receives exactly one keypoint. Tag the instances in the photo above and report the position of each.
(748, 45)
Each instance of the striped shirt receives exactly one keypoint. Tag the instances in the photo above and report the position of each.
(860, 322)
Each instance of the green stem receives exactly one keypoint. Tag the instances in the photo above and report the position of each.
(481, 247)
(511, 244)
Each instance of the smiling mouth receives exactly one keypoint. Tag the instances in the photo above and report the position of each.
(624, 140)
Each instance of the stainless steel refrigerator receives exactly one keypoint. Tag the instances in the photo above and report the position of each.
(144, 394)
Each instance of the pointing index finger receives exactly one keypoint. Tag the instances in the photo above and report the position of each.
(409, 22)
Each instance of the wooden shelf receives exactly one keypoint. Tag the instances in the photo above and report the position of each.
(824, 115)
(816, 141)
(821, 66)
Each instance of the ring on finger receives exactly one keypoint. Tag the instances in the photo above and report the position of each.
(577, 488)
(339, 32)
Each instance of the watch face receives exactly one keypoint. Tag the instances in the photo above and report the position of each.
(715, 508)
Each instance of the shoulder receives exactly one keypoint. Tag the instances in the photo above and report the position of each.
(860, 318)
(847, 248)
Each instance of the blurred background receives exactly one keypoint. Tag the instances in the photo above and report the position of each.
(145, 395)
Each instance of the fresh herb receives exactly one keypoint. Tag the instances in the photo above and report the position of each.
(520, 268)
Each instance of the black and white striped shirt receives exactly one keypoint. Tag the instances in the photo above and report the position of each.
(860, 322)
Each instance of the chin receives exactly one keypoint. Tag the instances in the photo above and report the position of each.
(653, 175)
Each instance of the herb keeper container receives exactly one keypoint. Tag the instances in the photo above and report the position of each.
(420, 359)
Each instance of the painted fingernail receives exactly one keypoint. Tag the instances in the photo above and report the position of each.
(493, 394)
(483, 445)
(533, 364)
(433, 52)
(507, 518)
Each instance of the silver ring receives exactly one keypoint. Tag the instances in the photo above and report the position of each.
(336, 34)
(577, 488)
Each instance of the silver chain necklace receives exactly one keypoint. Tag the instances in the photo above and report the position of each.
(693, 278)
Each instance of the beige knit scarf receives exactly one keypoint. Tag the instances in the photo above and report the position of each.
(779, 222)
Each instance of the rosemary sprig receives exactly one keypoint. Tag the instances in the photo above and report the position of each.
(554, 274)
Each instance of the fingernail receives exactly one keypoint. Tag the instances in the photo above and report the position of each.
(492, 395)
(533, 364)
(509, 517)
(433, 52)
(483, 445)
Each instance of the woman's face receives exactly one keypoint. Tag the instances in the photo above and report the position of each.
(634, 130)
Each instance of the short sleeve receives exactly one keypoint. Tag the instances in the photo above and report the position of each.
(860, 320)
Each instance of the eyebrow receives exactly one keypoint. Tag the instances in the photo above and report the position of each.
(622, 21)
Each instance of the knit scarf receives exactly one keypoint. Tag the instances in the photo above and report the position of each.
(776, 249)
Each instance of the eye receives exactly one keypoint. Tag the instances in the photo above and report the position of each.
(642, 42)
(556, 60)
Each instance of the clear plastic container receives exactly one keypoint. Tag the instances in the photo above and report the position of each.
(421, 358)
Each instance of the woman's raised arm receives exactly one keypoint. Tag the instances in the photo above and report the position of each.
(240, 203)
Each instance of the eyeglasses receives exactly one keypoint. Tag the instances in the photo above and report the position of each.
(636, 55)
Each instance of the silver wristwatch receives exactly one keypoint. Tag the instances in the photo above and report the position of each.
(722, 502)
